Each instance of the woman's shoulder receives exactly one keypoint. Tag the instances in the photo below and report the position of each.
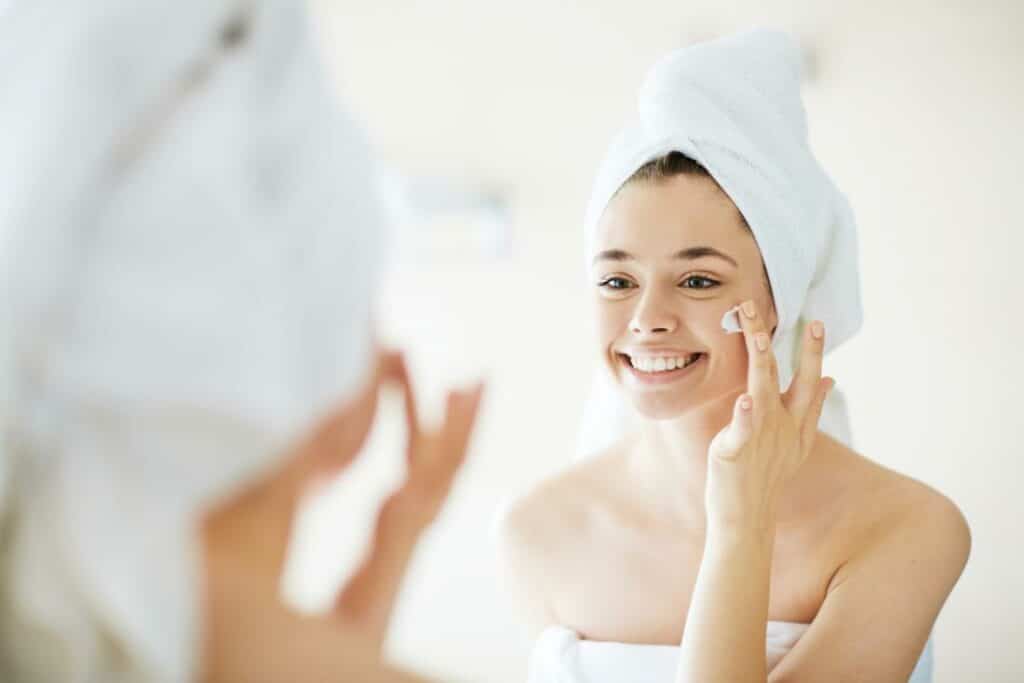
(895, 492)
(560, 506)
(542, 535)
(890, 507)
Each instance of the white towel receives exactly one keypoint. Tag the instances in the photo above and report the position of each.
(560, 656)
(734, 106)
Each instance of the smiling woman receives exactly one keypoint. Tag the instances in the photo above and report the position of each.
(692, 253)
(724, 535)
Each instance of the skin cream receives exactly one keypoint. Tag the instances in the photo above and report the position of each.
(731, 320)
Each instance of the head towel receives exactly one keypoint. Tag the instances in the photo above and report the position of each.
(734, 106)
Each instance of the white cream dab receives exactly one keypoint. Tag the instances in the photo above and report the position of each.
(731, 320)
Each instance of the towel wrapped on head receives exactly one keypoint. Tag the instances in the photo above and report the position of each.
(733, 105)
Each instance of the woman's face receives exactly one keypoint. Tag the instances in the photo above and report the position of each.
(670, 257)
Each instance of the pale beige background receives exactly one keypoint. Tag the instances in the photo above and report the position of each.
(916, 109)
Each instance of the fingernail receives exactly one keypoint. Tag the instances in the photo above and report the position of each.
(818, 329)
(745, 402)
(748, 309)
(761, 340)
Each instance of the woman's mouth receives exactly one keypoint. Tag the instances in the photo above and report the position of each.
(651, 369)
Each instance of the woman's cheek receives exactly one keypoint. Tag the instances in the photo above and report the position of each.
(734, 359)
(611, 325)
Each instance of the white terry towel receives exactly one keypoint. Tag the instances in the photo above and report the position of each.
(188, 266)
(561, 656)
(734, 106)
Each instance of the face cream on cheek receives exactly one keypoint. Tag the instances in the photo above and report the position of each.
(731, 320)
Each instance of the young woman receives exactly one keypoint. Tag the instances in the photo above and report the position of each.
(723, 536)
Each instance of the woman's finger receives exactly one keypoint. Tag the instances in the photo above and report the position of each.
(809, 428)
(729, 443)
(444, 452)
(460, 417)
(762, 371)
(398, 372)
(334, 441)
(368, 598)
(803, 390)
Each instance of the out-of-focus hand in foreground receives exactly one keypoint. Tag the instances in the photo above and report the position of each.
(249, 633)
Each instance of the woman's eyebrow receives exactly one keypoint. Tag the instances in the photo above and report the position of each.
(612, 255)
(684, 254)
(698, 252)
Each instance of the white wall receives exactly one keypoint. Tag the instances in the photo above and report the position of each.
(916, 109)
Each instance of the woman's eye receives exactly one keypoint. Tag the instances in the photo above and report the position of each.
(701, 282)
(615, 283)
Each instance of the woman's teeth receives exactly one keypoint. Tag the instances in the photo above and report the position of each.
(661, 364)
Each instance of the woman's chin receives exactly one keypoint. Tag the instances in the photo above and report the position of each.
(672, 405)
(655, 407)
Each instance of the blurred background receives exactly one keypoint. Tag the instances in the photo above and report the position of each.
(493, 117)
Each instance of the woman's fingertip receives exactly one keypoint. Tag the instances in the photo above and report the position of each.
(746, 403)
(392, 366)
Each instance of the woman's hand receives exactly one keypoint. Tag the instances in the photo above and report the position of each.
(770, 434)
(433, 457)
(249, 634)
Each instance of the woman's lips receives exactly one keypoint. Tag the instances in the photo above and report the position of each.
(658, 378)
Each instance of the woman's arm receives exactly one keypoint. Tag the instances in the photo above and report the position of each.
(724, 638)
(881, 605)
(879, 611)
(749, 461)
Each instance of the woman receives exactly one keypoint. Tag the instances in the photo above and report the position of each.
(722, 536)
(190, 251)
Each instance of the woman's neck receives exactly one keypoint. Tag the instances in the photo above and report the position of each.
(668, 463)
(670, 458)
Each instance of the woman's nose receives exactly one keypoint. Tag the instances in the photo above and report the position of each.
(652, 315)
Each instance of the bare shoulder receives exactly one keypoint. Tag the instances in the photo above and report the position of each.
(900, 515)
(542, 520)
(539, 533)
(904, 546)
